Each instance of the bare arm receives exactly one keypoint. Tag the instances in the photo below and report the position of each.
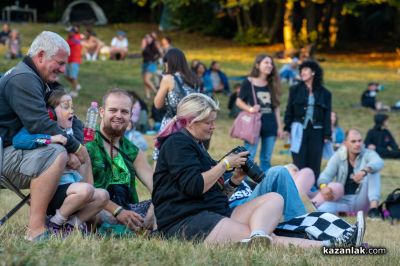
(143, 170)
(245, 107)
(167, 83)
(212, 175)
(278, 121)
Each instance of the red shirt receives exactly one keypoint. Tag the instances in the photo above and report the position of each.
(74, 43)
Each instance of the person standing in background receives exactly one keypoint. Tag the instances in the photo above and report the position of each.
(264, 80)
(308, 117)
(74, 60)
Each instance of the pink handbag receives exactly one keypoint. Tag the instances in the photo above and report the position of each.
(247, 125)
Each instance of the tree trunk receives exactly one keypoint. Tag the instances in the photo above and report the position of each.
(276, 23)
(323, 24)
(397, 27)
(247, 19)
(288, 31)
(239, 23)
(310, 16)
(334, 24)
(264, 17)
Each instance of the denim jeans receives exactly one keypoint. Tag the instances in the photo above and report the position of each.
(370, 190)
(280, 181)
(267, 147)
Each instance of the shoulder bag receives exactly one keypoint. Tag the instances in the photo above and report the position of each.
(247, 125)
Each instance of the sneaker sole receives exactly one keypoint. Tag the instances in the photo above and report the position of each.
(361, 227)
(264, 241)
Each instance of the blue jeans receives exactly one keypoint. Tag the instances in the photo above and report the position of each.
(370, 190)
(279, 180)
(267, 148)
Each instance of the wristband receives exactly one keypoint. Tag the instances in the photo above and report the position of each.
(79, 148)
(322, 186)
(365, 171)
(232, 184)
(227, 164)
(118, 211)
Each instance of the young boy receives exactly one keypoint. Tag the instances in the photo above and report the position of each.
(76, 200)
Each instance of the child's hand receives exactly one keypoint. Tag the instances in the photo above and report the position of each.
(59, 139)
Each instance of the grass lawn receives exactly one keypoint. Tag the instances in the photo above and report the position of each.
(345, 75)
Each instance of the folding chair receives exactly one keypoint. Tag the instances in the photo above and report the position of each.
(6, 183)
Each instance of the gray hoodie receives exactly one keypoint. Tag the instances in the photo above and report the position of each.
(22, 104)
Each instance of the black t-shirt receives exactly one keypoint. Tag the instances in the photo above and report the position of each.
(269, 125)
(350, 187)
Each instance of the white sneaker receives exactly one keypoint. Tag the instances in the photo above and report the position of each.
(78, 87)
(257, 240)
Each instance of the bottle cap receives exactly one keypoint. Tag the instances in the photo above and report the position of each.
(94, 104)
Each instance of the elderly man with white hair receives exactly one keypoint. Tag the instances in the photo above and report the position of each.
(23, 91)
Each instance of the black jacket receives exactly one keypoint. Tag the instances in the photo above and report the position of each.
(297, 106)
(178, 184)
(22, 104)
(382, 139)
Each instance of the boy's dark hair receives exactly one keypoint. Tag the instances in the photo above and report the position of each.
(379, 119)
(55, 97)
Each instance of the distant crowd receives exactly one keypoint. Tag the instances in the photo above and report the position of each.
(91, 187)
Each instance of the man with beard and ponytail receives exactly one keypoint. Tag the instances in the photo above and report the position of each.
(116, 162)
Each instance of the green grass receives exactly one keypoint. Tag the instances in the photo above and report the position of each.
(346, 76)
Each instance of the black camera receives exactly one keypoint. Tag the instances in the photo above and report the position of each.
(250, 167)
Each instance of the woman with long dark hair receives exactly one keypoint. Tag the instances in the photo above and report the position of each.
(177, 82)
(265, 81)
(308, 117)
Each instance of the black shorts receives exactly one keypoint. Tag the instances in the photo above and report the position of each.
(58, 199)
(194, 228)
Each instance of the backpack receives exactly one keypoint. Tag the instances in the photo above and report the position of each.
(392, 206)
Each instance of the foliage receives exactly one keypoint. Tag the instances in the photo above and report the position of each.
(252, 36)
(346, 76)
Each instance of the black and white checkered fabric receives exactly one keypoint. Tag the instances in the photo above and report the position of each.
(316, 225)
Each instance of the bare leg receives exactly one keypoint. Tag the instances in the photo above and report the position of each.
(98, 202)
(42, 190)
(262, 213)
(86, 171)
(228, 230)
(78, 196)
(148, 85)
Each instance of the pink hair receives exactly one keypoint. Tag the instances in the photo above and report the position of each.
(174, 125)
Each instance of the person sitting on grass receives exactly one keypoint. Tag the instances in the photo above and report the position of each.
(116, 162)
(218, 78)
(75, 200)
(368, 98)
(190, 196)
(381, 140)
(351, 180)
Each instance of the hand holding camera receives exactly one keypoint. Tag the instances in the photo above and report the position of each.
(239, 157)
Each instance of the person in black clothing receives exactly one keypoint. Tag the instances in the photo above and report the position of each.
(308, 117)
(381, 140)
(151, 51)
(234, 110)
(5, 33)
(189, 194)
(368, 98)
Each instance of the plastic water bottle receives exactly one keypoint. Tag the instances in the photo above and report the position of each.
(90, 124)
